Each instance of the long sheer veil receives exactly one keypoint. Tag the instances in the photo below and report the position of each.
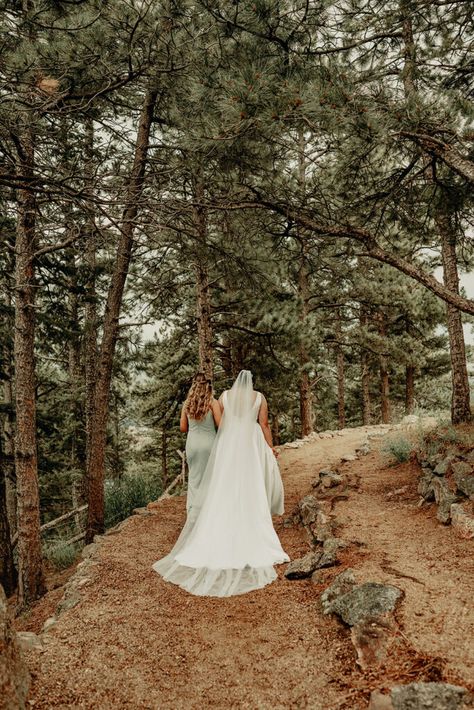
(228, 544)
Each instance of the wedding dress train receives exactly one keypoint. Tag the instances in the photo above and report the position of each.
(228, 545)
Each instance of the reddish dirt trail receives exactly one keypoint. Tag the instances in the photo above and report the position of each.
(135, 641)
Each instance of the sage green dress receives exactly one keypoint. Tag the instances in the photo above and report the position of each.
(199, 442)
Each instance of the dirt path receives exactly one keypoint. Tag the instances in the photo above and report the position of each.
(135, 641)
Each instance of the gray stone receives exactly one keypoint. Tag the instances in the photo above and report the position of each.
(50, 622)
(14, 675)
(470, 456)
(425, 485)
(141, 511)
(323, 527)
(444, 498)
(309, 508)
(303, 567)
(28, 639)
(464, 477)
(348, 457)
(69, 601)
(89, 550)
(428, 696)
(462, 468)
(443, 466)
(462, 522)
(368, 600)
(330, 479)
(341, 585)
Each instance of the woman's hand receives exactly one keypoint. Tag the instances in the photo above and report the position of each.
(276, 453)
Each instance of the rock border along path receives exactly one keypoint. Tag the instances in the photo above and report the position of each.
(121, 637)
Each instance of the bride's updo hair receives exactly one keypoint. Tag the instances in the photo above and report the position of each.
(198, 401)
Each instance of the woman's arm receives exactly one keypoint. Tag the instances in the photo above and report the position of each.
(216, 412)
(183, 422)
(263, 421)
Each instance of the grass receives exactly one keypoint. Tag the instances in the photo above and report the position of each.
(60, 554)
(124, 494)
(400, 449)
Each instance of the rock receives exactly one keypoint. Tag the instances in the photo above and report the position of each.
(428, 696)
(89, 550)
(378, 701)
(442, 467)
(329, 479)
(462, 521)
(470, 456)
(303, 567)
(348, 457)
(141, 511)
(341, 585)
(69, 601)
(28, 639)
(364, 449)
(425, 485)
(49, 623)
(323, 527)
(464, 477)
(371, 639)
(366, 601)
(318, 577)
(444, 498)
(14, 675)
(308, 507)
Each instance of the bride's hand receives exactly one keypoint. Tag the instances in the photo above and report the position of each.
(276, 453)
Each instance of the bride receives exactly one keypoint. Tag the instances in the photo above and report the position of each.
(228, 545)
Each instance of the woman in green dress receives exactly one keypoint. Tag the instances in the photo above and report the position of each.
(200, 416)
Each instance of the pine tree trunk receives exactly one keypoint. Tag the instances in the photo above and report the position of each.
(203, 297)
(77, 459)
(90, 313)
(460, 399)
(341, 383)
(8, 577)
(98, 428)
(9, 437)
(276, 429)
(409, 389)
(30, 567)
(385, 407)
(365, 374)
(164, 457)
(306, 394)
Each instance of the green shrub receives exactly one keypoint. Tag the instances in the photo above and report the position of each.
(124, 494)
(60, 554)
(400, 448)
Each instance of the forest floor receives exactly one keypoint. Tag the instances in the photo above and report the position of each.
(134, 641)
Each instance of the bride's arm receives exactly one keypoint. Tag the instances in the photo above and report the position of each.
(216, 412)
(183, 422)
(263, 421)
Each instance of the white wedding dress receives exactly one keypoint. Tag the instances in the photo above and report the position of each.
(228, 545)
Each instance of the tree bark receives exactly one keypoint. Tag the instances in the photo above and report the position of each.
(341, 383)
(203, 297)
(409, 389)
(8, 576)
(98, 429)
(385, 406)
(365, 374)
(8, 426)
(31, 580)
(460, 398)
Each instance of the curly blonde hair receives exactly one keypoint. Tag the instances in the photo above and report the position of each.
(198, 401)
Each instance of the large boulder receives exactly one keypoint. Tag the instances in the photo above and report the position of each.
(303, 567)
(463, 475)
(309, 508)
(462, 521)
(342, 584)
(14, 675)
(428, 696)
(425, 485)
(444, 498)
(366, 601)
(422, 696)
